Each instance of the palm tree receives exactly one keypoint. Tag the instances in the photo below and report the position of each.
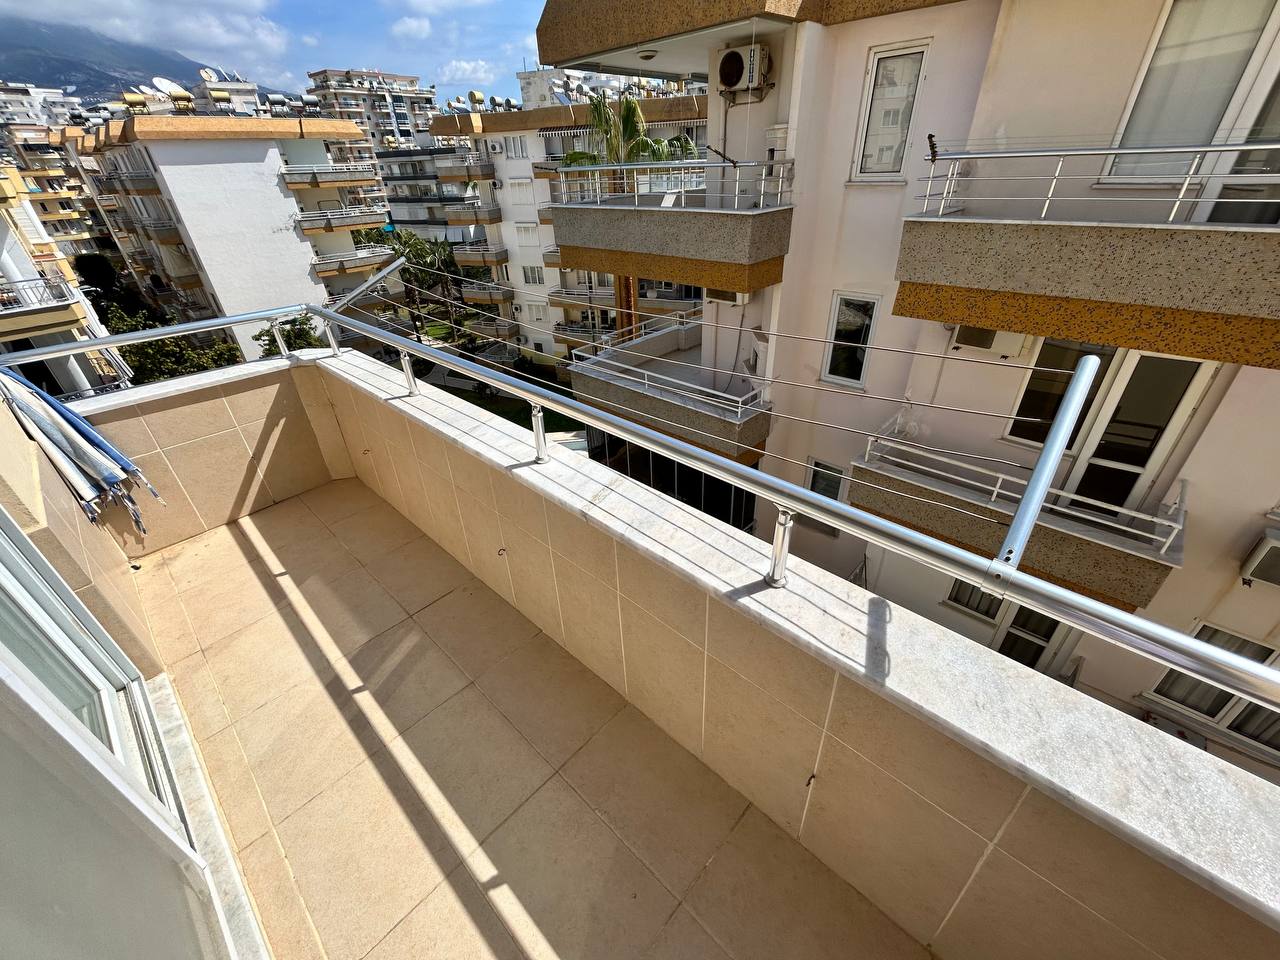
(428, 266)
(620, 136)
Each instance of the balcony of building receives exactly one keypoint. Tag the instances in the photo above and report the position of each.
(109, 202)
(654, 370)
(449, 701)
(136, 183)
(546, 212)
(42, 305)
(548, 169)
(342, 218)
(627, 219)
(301, 176)
(187, 281)
(465, 213)
(464, 167)
(359, 259)
(494, 327)
(551, 256)
(480, 253)
(481, 292)
(159, 229)
(579, 297)
(1147, 234)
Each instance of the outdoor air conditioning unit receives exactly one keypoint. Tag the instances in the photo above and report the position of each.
(521, 340)
(728, 296)
(743, 68)
(1001, 342)
(517, 307)
(495, 146)
(1264, 562)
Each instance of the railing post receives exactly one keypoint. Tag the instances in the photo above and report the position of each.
(1186, 182)
(540, 454)
(777, 575)
(928, 187)
(952, 168)
(410, 381)
(737, 180)
(279, 335)
(1052, 186)
(332, 334)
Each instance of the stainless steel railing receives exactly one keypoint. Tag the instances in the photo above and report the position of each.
(682, 184)
(1172, 648)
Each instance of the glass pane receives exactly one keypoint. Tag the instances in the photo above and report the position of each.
(1195, 70)
(1148, 403)
(37, 652)
(1045, 387)
(1108, 484)
(853, 328)
(825, 480)
(893, 95)
(1254, 202)
(1035, 624)
(1205, 697)
(971, 598)
(1026, 651)
(1258, 723)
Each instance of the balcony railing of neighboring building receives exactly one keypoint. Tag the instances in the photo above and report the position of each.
(472, 211)
(361, 253)
(321, 173)
(582, 297)
(480, 253)
(17, 296)
(136, 181)
(551, 255)
(342, 215)
(1231, 183)
(502, 329)
(1156, 534)
(480, 292)
(682, 184)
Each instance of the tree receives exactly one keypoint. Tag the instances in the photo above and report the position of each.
(96, 270)
(170, 357)
(298, 333)
(620, 136)
(428, 265)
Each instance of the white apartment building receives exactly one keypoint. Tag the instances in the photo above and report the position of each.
(514, 161)
(225, 215)
(26, 103)
(867, 294)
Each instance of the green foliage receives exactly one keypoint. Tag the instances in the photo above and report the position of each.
(171, 357)
(620, 136)
(96, 270)
(299, 334)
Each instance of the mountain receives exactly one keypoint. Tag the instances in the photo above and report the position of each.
(98, 66)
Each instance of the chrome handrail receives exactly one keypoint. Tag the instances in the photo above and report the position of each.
(1232, 672)
(1105, 151)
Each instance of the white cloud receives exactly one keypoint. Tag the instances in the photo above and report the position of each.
(439, 6)
(411, 28)
(526, 44)
(466, 71)
(309, 40)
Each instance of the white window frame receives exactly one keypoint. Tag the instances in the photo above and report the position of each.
(515, 145)
(814, 464)
(1218, 728)
(516, 191)
(541, 280)
(874, 56)
(1056, 650)
(538, 313)
(527, 235)
(823, 374)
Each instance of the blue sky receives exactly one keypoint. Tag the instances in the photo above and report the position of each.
(458, 44)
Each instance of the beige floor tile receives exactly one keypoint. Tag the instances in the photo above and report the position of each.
(973, 790)
(170, 629)
(586, 545)
(236, 789)
(197, 691)
(764, 896)
(665, 675)
(261, 661)
(374, 532)
(592, 632)
(364, 853)
(1010, 913)
(302, 741)
(398, 677)
(340, 499)
(418, 573)
(347, 611)
(237, 597)
(556, 702)
(677, 602)
(566, 885)
(533, 579)
(900, 851)
(470, 767)
(475, 626)
(759, 745)
(316, 560)
(288, 522)
(284, 918)
(683, 938)
(797, 679)
(209, 556)
(454, 923)
(668, 806)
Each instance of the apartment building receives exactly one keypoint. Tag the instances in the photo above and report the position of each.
(903, 338)
(534, 299)
(24, 103)
(222, 215)
(41, 303)
(56, 191)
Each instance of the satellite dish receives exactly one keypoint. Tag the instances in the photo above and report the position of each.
(147, 91)
(208, 75)
(69, 89)
(163, 85)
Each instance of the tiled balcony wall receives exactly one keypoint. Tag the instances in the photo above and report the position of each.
(985, 809)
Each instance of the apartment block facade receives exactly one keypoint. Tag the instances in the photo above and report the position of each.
(224, 215)
(951, 229)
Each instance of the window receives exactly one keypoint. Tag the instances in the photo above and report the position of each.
(1220, 708)
(1043, 393)
(974, 600)
(533, 275)
(886, 124)
(825, 479)
(527, 234)
(537, 312)
(1191, 79)
(515, 146)
(851, 318)
(520, 191)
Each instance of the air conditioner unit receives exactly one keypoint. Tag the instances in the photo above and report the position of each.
(1264, 562)
(517, 307)
(521, 340)
(1001, 342)
(727, 296)
(495, 146)
(743, 68)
